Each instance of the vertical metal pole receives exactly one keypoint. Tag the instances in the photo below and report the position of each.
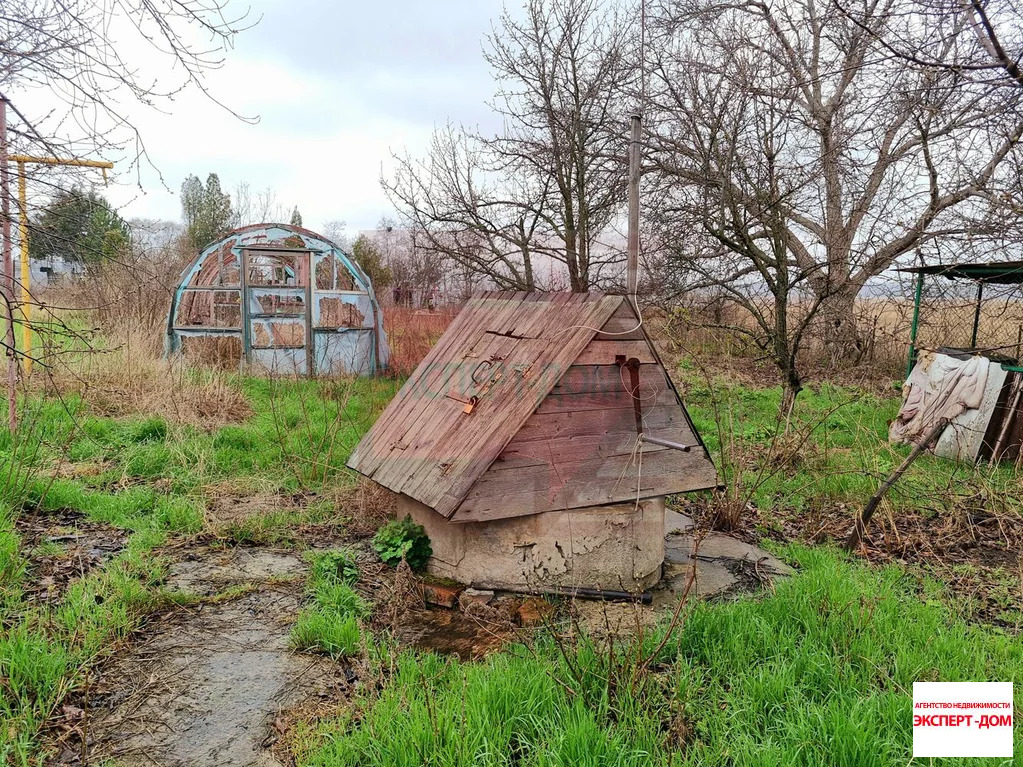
(916, 323)
(243, 281)
(8, 281)
(976, 315)
(26, 270)
(310, 339)
(634, 172)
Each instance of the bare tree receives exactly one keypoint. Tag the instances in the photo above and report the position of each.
(76, 49)
(418, 273)
(98, 62)
(794, 131)
(461, 209)
(260, 207)
(554, 179)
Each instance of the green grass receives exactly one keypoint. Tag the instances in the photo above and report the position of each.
(331, 623)
(151, 481)
(840, 454)
(818, 673)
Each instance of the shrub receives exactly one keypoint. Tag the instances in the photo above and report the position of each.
(403, 538)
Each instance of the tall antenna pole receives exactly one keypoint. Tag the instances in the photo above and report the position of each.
(634, 166)
(633, 255)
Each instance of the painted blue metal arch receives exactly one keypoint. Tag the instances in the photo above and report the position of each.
(359, 350)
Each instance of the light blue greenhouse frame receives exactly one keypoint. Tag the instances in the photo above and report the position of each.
(358, 350)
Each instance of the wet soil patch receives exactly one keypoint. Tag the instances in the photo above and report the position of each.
(468, 636)
(62, 546)
(209, 681)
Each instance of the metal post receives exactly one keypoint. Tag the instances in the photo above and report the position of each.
(634, 173)
(243, 283)
(8, 281)
(976, 315)
(310, 339)
(916, 323)
(26, 270)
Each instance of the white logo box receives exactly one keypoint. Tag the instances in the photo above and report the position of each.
(960, 719)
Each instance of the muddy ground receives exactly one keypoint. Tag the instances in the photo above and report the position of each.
(62, 546)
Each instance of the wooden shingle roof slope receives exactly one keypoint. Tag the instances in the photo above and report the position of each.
(485, 378)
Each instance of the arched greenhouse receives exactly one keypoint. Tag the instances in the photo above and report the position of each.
(282, 300)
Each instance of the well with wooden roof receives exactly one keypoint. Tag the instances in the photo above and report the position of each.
(536, 443)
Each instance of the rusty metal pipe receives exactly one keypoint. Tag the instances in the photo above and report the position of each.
(604, 595)
(665, 443)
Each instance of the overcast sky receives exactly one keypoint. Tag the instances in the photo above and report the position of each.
(337, 87)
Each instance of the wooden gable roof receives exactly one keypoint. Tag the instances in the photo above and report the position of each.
(521, 408)
(507, 350)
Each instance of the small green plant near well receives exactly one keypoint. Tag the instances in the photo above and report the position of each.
(403, 539)
(337, 566)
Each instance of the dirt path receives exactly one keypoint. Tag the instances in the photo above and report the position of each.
(205, 685)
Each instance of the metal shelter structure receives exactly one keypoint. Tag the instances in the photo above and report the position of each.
(992, 428)
(990, 273)
(288, 300)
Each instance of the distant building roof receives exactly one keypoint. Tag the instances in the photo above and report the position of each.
(999, 272)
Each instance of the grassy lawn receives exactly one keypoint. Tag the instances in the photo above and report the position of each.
(817, 672)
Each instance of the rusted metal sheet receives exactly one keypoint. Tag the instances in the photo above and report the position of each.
(488, 383)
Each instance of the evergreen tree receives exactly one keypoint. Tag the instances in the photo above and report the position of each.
(369, 258)
(296, 217)
(78, 226)
(205, 210)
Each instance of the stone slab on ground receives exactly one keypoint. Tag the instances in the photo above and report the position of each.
(209, 571)
(724, 566)
(204, 686)
(721, 546)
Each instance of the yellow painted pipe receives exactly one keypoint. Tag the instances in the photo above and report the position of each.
(26, 271)
(26, 268)
(24, 158)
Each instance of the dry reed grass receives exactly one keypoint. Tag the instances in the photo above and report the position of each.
(885, 326)
(130, 377)
(411, 333)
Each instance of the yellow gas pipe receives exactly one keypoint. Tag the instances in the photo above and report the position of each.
(26, 269)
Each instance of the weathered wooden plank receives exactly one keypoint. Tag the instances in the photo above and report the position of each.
(568, 449)
(603, 352)
(593, 379)
(623, 326)
(536, 489)
(661, 418)
(577, 403)
(452, 449)
(413, 409)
